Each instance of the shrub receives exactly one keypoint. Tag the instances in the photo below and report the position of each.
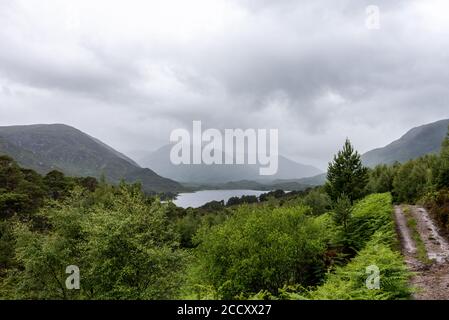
(124, 247)
(438, 204)
(318, 201)
(261, 249)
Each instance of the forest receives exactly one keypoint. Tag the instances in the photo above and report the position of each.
(315, 244)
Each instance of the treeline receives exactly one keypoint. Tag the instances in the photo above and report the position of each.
(23, 191)
(250, 199)
(415, 179)
(424, 181)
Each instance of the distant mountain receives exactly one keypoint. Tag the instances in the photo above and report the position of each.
(314, 181)
(60, 147)
(159, 161)
(415, 143)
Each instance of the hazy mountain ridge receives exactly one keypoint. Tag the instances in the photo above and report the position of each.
(159, 161)
(317, 180)
(61, 147)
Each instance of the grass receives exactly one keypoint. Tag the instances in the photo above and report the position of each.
(421, 252)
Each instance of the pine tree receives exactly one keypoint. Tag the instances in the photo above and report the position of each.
(342, 211)
(346, 175)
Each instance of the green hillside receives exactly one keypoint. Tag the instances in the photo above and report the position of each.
(415, 143)
(59, 147)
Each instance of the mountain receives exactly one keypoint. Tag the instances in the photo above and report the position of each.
(218, 174)
(415, 143)
(314, 181)
(59, 147)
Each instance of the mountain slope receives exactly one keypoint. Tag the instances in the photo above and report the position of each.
(216, 174)
(415, 143)
(314, 181)
(60, 147)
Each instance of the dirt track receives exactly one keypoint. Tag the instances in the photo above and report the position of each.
(431, 278)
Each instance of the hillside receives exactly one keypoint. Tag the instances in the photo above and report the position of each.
(290, 185)
(313, 181)
(59, 147)
(415, 143)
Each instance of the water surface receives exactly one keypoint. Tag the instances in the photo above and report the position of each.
(199, 198)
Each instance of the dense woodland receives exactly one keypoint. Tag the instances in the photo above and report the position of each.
(314, 244)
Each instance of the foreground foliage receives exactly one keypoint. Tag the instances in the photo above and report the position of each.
(261, 249)
(124, 247)
(350, 282)
(372, 231)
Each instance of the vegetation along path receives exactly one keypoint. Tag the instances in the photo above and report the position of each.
(426, 252)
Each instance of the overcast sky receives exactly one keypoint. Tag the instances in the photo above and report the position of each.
(129, 72)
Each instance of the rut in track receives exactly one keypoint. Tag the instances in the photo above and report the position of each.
(431, 278)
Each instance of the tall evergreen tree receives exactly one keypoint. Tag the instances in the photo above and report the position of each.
(342, 211)
(346, 175)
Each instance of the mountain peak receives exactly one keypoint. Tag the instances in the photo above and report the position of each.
(159, 160)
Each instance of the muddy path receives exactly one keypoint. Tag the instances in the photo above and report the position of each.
(431, 272)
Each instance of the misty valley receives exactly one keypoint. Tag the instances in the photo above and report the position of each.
(224, 158)
(211, 241)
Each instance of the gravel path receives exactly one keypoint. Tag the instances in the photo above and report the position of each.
(431, 280)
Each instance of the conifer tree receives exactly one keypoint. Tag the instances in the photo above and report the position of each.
(342, 211)
(346, 175)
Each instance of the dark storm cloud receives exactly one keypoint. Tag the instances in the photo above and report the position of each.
(310, 68)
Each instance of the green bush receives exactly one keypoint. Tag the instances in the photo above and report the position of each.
(438, 204)
(414, 178)
(6, 245)
(124, 247)
(318, 200)
(381, 179)
(261, 249)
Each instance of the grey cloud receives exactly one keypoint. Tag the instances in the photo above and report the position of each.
(310, 68)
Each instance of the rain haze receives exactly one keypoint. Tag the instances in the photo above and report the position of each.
(130, 72)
